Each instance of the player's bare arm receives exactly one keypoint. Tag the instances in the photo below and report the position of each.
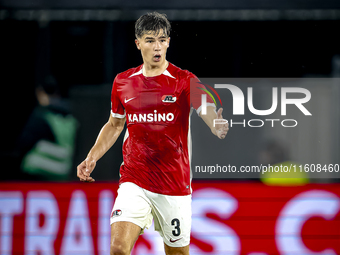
(108, 135)
(220, 130)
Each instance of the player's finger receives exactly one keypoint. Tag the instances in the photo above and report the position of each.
(90, 179)
(219, 113)
(85, 178)
(223, 135)
(81, 176)
(79, 171)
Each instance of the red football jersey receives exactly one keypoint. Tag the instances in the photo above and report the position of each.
(157, 142)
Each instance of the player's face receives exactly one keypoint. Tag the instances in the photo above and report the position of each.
(153, 47)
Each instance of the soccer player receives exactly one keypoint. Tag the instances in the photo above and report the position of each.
(155, 101)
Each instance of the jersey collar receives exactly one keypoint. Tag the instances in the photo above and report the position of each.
(166, 72)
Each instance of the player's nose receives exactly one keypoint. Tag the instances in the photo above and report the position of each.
(157, 46)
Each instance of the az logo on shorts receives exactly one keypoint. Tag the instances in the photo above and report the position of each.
(168, 99)
(116, 213)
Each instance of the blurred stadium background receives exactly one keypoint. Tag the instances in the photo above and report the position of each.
(70, 51)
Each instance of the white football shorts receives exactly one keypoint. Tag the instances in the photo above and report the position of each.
(171, 214)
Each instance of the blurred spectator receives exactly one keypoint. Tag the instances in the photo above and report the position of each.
(47, 142)
(275, 155)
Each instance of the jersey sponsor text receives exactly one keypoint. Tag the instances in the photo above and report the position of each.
(151, 117)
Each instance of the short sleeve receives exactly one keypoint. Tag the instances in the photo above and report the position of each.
(197, 89)
(117, 109)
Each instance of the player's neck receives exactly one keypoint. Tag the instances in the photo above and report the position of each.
(150, 71)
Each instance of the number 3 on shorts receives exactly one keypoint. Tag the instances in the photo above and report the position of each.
(175, 222)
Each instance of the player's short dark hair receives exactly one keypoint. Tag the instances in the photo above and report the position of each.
(154, 22)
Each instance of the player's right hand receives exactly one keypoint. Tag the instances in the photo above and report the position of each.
(84, 170)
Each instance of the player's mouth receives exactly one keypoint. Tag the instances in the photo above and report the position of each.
(157, 57)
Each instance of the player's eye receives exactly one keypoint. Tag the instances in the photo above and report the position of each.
(149, 41)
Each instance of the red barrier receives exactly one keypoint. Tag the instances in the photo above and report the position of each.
(228, 218)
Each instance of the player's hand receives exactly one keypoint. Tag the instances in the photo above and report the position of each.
(84, 170)
(221, 129)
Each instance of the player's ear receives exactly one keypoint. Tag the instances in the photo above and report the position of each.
(168, 41)
(137, 44)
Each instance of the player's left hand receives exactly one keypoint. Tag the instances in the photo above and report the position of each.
(221, 129)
